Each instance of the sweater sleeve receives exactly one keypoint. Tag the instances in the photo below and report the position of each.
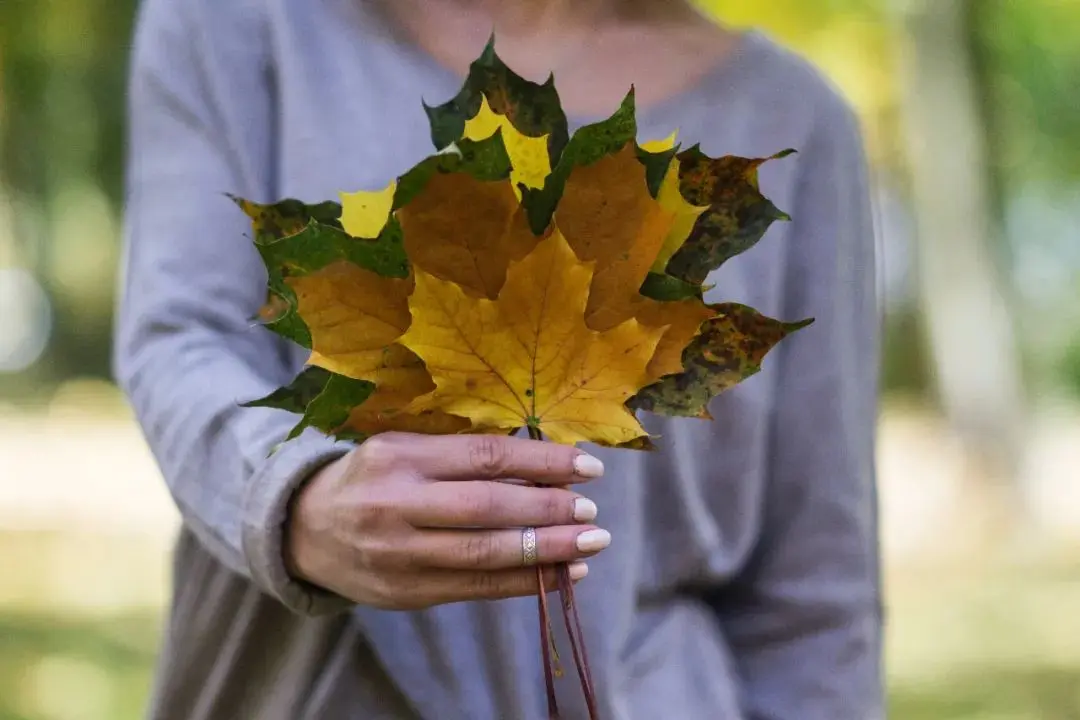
(186, 354)
(804, 620)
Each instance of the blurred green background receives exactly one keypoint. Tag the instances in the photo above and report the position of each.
(972, 116)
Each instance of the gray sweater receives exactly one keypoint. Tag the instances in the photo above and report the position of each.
(743, 579)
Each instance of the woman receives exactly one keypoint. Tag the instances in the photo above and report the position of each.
(325, 581)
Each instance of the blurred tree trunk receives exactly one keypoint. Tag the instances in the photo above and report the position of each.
(964, 298)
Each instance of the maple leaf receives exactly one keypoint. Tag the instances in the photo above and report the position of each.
(352, 409)
(533, 109)
(485, 159)
(528, 358)
(685, 215)
(466, 230)
(459, 214)
(272, 222)
(364, 213)
(737, 217)
(313, 248)
(529, 156)
(286, 217)
(297, 395)
(729, 349)
(609, 218)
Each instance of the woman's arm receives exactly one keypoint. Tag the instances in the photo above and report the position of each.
(805, 620)
(201, 123)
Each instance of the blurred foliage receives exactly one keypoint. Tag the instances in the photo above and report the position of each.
(1031, 693)
(1070, 366)
(62, 87)
(1032, 59)
(105, 667)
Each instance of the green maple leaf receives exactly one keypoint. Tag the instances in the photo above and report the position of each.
(485, 160)
(286, 217)
(323, 399)
(534, 109)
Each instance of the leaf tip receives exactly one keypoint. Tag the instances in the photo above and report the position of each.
(643, 443)
(792, 327)
(489, 56)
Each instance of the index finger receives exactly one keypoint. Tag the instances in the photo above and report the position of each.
(498, 457)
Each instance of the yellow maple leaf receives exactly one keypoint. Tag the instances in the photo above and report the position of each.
(528, 155)
(686, 216)
(467, 231)
(353, 315)
(528, 358)
(364, 213)
(670, 197)
(661, 145)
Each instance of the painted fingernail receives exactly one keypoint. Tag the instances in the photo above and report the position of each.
(578, 570)
(584, 510)
(587, 466)
(593, 540)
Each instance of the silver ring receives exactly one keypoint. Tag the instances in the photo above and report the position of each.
(528, 546)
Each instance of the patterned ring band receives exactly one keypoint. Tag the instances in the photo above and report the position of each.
(528, 546)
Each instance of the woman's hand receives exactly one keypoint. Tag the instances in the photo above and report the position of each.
(409, 521)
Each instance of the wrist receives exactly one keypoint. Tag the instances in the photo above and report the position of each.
(306, 520)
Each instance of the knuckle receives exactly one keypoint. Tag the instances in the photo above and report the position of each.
(379, 556)
(477, 549)
(478, 501)
(556, 459)
(373, 510)
(379, 454)
(557, 508)
(487, 585)
(488, 455)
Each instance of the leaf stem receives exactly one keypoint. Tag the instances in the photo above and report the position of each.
(577, 638)
(573, 630)
(548, 651)
(547, 645)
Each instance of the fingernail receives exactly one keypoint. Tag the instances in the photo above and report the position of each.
(584, 510)
(593, 540)
(587, 466)
(578, 570)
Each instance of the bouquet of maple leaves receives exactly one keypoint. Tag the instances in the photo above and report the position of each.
(519, 278)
